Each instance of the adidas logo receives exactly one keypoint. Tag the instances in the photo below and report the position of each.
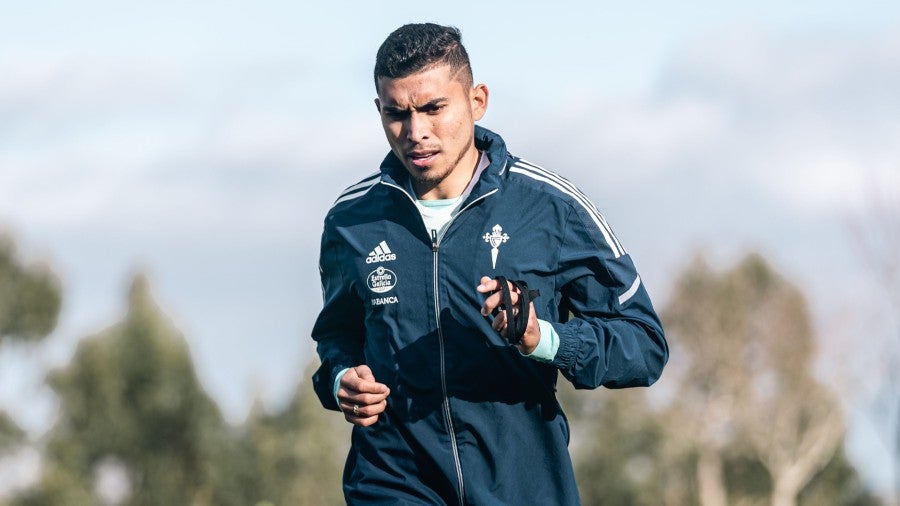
(381, 253)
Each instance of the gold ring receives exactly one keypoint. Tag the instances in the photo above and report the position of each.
(356, 410)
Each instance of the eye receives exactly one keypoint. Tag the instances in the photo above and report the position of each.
(434, 109)
(396, 114)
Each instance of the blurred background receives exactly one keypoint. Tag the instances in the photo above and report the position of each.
(165, 169)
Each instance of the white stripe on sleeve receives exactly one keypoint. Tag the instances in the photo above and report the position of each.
(625, 297)
(567, 188)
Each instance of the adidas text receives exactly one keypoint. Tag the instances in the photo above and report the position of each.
(384, 257)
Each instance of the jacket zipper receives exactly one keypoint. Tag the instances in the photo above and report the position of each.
(435, 247)
(446, 399)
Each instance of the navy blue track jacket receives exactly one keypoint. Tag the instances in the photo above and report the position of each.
(469, 419)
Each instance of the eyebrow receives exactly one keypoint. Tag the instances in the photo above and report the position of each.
(427, 105)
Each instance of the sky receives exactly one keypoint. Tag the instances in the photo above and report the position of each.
(203, 142)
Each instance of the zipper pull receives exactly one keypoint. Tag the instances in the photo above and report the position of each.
(434, 244)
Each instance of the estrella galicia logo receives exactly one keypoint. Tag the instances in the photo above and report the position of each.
(381, 280)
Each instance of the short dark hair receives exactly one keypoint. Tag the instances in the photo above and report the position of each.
(416, 47)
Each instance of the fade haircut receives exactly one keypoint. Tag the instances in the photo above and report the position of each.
(418, 47)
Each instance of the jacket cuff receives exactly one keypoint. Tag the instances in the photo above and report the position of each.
(568, 348)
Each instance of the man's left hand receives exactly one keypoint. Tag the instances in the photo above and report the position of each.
(491, 287)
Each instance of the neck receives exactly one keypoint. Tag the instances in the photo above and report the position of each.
(455, 183)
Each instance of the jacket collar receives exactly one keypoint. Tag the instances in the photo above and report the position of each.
(393, 172)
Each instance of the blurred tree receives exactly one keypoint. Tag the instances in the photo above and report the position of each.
(876, 237)
(745, 385)
(618, 462)
(135, 427)
(29, 307)
(746, 423)
(719, 428)
(29, 297)
(299, 452)
(10, 433)
(838, 483)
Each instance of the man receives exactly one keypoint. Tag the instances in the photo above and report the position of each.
(450, 404)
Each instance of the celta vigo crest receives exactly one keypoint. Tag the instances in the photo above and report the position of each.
(495, 238)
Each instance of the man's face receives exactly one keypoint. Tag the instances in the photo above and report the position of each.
(429, 120)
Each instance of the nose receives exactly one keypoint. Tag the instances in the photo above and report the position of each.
(417, 128)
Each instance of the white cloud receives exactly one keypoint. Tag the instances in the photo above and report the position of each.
(113, 144)
(801, 119)
(215, 178)
(649, 136)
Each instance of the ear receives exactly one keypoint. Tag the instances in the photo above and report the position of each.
(378, 105)
(478, 97)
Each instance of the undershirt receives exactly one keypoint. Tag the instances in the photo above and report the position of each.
(437, 213)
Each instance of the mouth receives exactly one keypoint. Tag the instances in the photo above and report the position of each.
(422, 158)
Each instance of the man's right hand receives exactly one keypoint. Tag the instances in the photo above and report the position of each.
(362, 398)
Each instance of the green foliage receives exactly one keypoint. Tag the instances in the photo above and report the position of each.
(131, 406)
(838, 484)
(130, 396)
(59, 487)
(617, 462)
(29, 297)
(299, 452)
(746, 477)
(29, 306)
(10, 433)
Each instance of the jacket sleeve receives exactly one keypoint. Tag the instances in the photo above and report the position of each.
(614, 337)
(339, 331)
